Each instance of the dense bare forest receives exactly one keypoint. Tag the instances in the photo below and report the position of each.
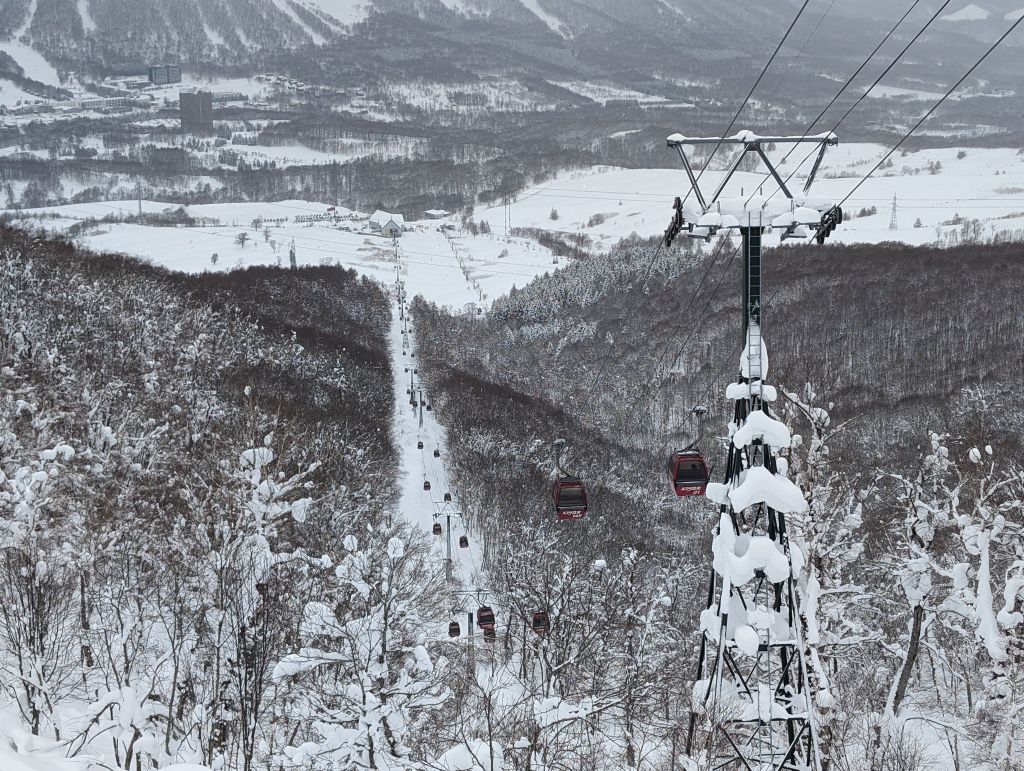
(896, 365)
(194, 478)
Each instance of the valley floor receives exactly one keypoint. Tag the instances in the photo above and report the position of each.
(944, 196)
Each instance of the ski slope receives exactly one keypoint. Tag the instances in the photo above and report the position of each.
(447, 267)
(937, 193)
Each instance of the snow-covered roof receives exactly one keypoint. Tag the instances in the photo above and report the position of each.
(749, 137)
(382, 218)
(735, 211)
(436, 213)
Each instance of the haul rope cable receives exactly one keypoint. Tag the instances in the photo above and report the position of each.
(908, 134)
(646, 390)
(934, 107)
(725, 133)
(800, 53)
(475, 571)
(842, 90)
(611, 345)
(870, 88)
(750, 93)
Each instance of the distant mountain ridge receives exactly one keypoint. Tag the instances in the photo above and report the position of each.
(75, 34)
(672, 48)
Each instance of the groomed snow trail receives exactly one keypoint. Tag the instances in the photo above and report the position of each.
(422, 507)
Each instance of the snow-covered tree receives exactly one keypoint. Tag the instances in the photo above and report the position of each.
(365, 671)
(833, 605)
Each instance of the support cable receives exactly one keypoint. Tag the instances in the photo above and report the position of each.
(728, 128)
(750, 93)
(934, 107)
(802, 49)
(840, 92)
(870, 88)
(647, 398)
(707, 272)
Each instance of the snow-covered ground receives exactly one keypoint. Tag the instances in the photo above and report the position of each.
(986, 184)
(936, 192)
(416, 425)
(601, 92)
(967, 13)
(21, 751)
(10, 94)
(450, 268)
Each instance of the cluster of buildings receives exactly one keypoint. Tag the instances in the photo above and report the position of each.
(165, 74)
(385, 223)
(122, 103)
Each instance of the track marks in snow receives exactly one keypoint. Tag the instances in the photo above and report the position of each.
(345, 12)
(287, 10)
(88, 23)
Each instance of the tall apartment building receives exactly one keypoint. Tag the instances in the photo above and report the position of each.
(162, 74)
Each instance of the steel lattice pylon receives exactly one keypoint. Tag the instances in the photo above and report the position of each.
(752, 706)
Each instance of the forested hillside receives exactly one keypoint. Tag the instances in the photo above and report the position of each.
(907, 454)
(194, 474)
(889, 331)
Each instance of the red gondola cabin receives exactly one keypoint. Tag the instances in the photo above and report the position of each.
(540, 622)
(570, 496)
(426, 485)
(485, 617)
(688, 472)
(453, 629)
(463, 542)
(437, 528)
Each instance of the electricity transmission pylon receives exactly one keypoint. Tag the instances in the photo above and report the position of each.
(752, 706)
(893, 224)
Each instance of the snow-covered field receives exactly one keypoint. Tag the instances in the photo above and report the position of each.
(470, 96)
(986, 184)
(601, 92)
(450, 268)
(936, 192)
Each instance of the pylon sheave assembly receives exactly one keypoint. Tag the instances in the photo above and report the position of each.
(752, 705)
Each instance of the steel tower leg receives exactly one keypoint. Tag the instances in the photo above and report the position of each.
(751, 704)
